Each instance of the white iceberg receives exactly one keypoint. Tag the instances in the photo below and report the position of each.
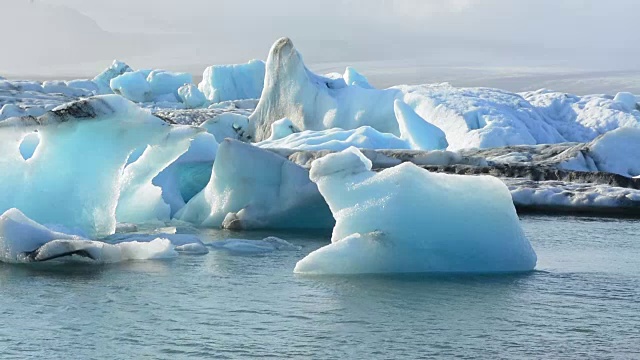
(314, 102)
(406, 219)
(23, 240)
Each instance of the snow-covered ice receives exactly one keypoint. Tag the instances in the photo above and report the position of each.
(406, 219)
(364, 137)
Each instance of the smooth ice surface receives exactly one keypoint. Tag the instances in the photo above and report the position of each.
(24, 240)
(233, 82)
(254, 188)
(406, 219)
(74, 176)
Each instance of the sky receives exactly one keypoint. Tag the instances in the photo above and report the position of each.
(80, 37)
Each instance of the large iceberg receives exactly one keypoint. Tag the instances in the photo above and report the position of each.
(253, 188)
(74, 176)
(406, 219)
(314, 102)
(233, 82)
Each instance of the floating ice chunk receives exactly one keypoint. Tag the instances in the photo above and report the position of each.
(102, 252)
(233, 82)
(352, 77)
(167, 82)
(334, 139)
(254, 188)
(406, 219)
(20, 235)
(627, 99)
(313, 102)
(191, 96)
(227, 125)
(242, 246)
(420, 134)
(75, 174)
(24, 240)
(183, 243)
(103, 80)
(133, 86)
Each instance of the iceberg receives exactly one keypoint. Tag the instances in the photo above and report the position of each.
(133, 86)
(233, 82)
(164, 82)
(191, 96)
(74, 176)
(252, 188)
(23, 240)
(420, 134)
(352, 77)
(140, 200)
(314, 102)
(406, 219)
(103, 80)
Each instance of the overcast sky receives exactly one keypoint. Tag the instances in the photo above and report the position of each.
(80, 37)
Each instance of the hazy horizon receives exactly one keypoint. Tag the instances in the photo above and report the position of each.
(411, 39)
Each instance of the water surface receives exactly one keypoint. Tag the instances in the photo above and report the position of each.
(582, 302)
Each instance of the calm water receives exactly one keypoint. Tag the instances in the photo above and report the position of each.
(583, 302)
